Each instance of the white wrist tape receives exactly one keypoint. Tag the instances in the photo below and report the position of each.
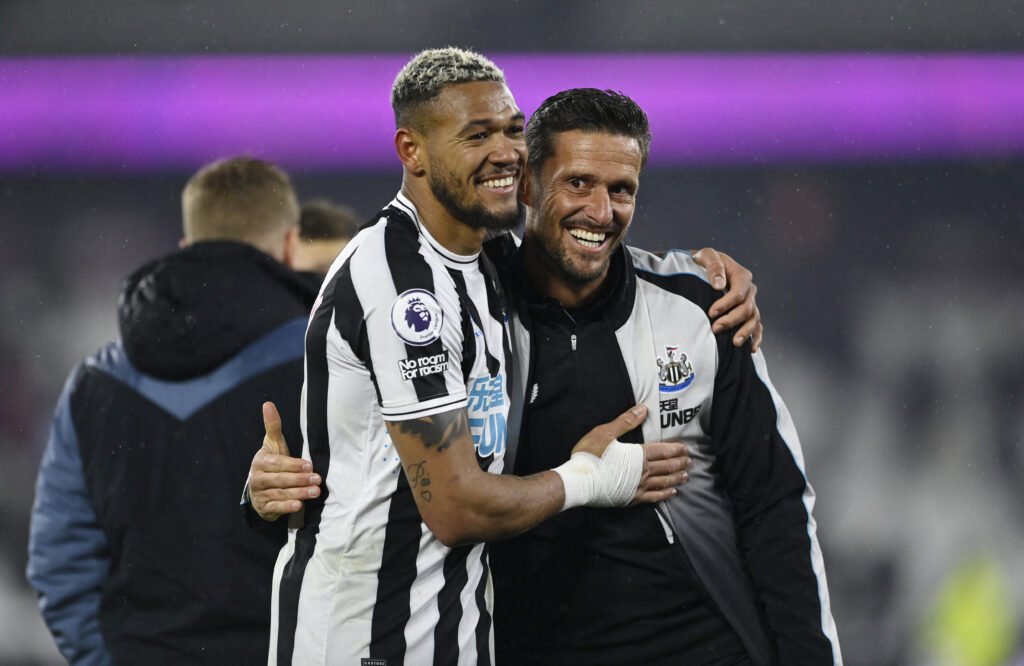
(611, 480)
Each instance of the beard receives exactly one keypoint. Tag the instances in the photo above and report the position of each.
(565, 264)
(445, 189)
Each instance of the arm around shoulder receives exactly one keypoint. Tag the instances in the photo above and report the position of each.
(461, 503)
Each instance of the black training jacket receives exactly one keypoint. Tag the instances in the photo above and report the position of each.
(744, 518)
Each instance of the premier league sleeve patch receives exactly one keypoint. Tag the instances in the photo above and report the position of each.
(416, 317)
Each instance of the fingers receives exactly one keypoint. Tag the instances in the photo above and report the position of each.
(273, 441)
(751, 329)
(654, 451)
(711, 261)
(672, 467)
(284, 481)
(653, 496)
(272, 462)
(271, 499)
(271, 511)
(758, 332)
(741, 289)
(598, 439)
(666, 465)
(745, 316)
(655, 488)
(623, 423)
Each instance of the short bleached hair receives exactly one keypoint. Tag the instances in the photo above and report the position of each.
(426, 75)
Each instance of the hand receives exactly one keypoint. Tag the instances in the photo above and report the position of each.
(598, 439)
(664, 469)
(605, 472)
(738, 305)
(277, 482)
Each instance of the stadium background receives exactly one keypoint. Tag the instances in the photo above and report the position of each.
(866, 162)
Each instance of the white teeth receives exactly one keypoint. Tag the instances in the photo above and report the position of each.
(587, 238)
(500, 182)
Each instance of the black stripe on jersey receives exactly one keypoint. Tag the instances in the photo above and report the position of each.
(317, 378)
(468, 337)
(483, 625)
(350, 321)
(687, 285)
(498, 308)
(397, 572)
(493, 366)
(449, 606)
(410, 270)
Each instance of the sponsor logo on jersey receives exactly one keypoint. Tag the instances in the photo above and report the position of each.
(486, 408)
(416, 317)
(672, 416)
(414, 368)
(373, 661)
(675, 372)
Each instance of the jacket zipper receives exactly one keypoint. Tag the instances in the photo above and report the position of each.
(666, 523)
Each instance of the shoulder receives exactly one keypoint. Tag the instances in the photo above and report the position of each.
(675, 272)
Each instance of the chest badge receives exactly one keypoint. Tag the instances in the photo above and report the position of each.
(675, 372)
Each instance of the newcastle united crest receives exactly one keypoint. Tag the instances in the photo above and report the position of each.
(675, 373)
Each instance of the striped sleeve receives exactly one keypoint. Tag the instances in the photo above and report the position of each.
(413, 324)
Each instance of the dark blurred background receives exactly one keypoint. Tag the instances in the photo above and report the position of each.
(891, 284)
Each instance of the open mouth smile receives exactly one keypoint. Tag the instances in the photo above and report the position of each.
(501, 184)
(591, 240)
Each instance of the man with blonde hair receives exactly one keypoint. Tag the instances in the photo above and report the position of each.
(242, 199)
(136, 549)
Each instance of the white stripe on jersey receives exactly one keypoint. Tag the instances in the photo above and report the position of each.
(342, 581)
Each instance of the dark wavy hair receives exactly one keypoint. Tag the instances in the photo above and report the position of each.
(588, 110)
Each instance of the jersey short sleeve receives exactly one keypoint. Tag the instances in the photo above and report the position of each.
(413, 323)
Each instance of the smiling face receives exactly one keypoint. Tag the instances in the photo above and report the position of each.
(475, 154)
(581, 205)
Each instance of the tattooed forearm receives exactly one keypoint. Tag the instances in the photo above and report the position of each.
(439, 430)
(419, 478)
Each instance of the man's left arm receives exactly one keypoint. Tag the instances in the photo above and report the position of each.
(760, 461)
(737, 308)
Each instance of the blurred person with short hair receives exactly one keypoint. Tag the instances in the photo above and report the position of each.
(136, 548)
(325, 228)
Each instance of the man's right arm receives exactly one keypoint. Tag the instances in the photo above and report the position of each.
(68, 559)
(460, 502)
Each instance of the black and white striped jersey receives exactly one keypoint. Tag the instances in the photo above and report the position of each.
(402, 329)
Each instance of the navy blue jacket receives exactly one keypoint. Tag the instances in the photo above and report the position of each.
(137, 550)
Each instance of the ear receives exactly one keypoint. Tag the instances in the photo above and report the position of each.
(409, 144)
(291, 244)
(526, 193)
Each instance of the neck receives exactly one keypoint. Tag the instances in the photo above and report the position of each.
(455, 235)
(549, 280)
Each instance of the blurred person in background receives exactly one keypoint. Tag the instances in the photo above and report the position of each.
(136, 549)
(325, 228)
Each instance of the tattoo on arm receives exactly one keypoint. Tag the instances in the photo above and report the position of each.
(438, 430)
(419, 478)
